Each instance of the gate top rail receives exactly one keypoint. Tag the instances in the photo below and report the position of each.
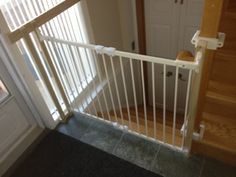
(178, 63)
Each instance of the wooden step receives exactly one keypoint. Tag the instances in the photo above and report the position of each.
(219, 139)
(207, 149)
(223, 69)
(222, 98)
(220, 131)
(225, 54)
(159, 115)
(220, 104)
(159, 131)
(150, 123)
(221, 88)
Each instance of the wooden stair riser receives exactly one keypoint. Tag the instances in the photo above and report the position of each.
(224, 89)
(207, 149)
(219, 108)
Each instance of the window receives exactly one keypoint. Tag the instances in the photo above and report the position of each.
(67, 26)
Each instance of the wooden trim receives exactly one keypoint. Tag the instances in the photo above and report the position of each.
(18, 152)
(209, 28)
(141, 26)
(215, 152)
(40, 20)
(140, 13)
(26, 77)
(43, 73)
(54, 72)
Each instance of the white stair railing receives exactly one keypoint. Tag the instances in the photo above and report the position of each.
(112, 94)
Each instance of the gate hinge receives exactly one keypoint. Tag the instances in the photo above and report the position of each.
(209, 43)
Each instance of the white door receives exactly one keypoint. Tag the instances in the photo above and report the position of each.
(170, 25)
(190, 20)
(161, 18)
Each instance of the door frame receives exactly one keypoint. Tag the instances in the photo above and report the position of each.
(141, 39)
(33, 127)
(17, 88)
(140, 17)
(24, 79)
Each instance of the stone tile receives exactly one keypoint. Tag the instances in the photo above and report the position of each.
(137, 150)
(171, 163)
(214, 168)
(102, 136)
(76, 126)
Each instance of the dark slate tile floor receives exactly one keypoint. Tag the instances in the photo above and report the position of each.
(144, 153)
(174, 164)
(136, 150)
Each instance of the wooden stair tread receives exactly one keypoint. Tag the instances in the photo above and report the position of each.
(150, 123)
(210, 150)
(217, 118)
(159, 130)
(220, 132)
(159, 115)
(219, 97)
(159, 124)
(220, 74)
(221, 88)
(231, 15)
(225, 54)
(219, 139)
(220, 104)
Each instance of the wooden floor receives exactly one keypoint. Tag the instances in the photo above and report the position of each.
(150, 123)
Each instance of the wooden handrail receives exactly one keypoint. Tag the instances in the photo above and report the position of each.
(40, 20)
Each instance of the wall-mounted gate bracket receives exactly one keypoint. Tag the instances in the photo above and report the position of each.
(210, 43)
(196, 136)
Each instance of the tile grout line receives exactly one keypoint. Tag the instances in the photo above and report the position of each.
(121, 137)
(155, 157)
(202, 167)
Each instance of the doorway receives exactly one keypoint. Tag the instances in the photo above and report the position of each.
(169, 27)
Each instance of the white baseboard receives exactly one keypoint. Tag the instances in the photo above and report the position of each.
(19, 147)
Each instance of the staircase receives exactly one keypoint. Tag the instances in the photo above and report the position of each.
(150, 123)
(219, 114)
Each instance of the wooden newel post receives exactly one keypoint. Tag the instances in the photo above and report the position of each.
(209, 28)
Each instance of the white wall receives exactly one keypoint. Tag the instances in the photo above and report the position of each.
(113, 25)
(127, 22)
(112, 22)
(105, 22)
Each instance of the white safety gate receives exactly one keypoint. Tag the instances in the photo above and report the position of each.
(108, 94)
(101, 81)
